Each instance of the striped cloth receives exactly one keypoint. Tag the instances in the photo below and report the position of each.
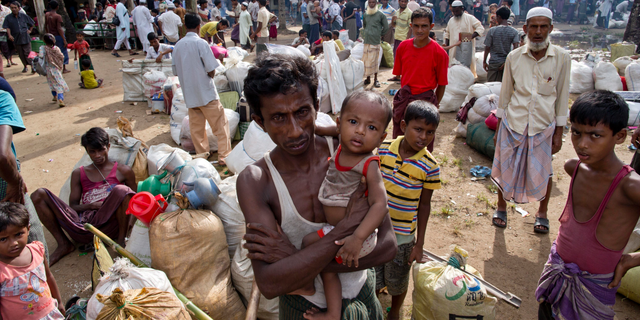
(522, 163)
(404, 180)
(370, 59)
(575, 294)
(363, 307)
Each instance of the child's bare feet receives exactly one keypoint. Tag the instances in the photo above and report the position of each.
(315, 314)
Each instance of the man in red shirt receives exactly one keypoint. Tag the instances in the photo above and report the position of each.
(422, 65)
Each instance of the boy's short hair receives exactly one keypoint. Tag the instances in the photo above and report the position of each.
(80, 34)
(510, 2)
(503, 13)
(335, 33)
(262, 2)
(224, 22)
(422, 110)
(274, 74)
(422, 13)
(53, 4)
(191, 20)
(327, 34)
(374, 97)
(96, 138)
(152, 36)
(600, 106)
(301, 32)
(86, 63)
(155, 11)
(13, 214)
(216, 3)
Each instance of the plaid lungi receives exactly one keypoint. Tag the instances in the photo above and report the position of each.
(365, 306)
(522, 163)
(370, 59)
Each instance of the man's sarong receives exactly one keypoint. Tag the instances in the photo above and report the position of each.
(370, 59)
(103, 219)
(522, 163)
(575, 294)
(363, 307)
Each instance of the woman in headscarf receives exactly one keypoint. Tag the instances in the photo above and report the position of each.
(54, 61)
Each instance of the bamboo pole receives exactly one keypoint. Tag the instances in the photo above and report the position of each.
(199, 314)
(254, 300)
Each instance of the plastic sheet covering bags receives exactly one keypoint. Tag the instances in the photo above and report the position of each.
(233, 119)
(142, 304)
(460, 79)
(237, 70)
(337, 88)
(132, 81)
(285, 50)
(123, 150)
(443, 291)
(242, 274)
(191, 248)
(606, 77)
(352, 73)
(632, 75)
(581, 79)
(228, 210)
(124, 275)
(158, 154)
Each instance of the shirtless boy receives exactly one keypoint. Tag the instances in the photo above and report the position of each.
(594, 228)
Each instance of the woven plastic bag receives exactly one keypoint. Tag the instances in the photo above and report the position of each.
(141, 304)
(443, 291)
(190, 246)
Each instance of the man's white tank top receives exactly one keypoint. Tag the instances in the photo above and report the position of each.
(296, 227)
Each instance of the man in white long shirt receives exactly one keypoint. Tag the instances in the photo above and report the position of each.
(246, 26)
(170, 23)
(122, 29)
(462, 22)
(334, 15)
(195, 66)
(143, 22)
(253, 9)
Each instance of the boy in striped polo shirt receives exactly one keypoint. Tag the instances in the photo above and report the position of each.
(410, 174)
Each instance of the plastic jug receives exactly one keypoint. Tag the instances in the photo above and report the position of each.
(154, 185)
(146, 207)
(205, 192)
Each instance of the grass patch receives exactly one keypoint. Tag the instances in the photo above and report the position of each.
(447, 211)
(457, 163)
(469, 223)
(492, 188)
(442, 160)
(456, 231)
(490, 204)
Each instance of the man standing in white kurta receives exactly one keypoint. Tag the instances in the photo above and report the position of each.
(462, 22)
(122, 29)
(143, 21)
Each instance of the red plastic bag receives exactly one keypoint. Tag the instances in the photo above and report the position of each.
(492, 121)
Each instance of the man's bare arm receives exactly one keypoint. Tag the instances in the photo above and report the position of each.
(289, 269)
(9, 169)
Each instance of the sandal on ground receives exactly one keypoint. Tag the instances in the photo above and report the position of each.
(61, 104)
(115, 54)
(541, 222)
(393, 79)
(367, 81)
(86, 247)
(133, 54)
(376, 84)
(24, 70)
(8, 65)
(14, 63)
(501, 215)
(54, 99)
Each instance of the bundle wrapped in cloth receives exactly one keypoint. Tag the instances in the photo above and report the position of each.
(141, 304)
(443, 291)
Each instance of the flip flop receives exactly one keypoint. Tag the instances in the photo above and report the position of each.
(393, 79)
(502, 215)
(376, 84)
(541, 222)
(133, 54)
(115, 54)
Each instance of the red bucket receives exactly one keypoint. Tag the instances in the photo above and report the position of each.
(146, 207)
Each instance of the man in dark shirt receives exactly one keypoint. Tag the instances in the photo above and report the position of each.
(349, 16)
(499, 41)
(18, 27)
(53, 25)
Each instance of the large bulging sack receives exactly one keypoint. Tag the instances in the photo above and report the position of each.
(191, 248)
(621, 64)
(145, 303)
(255, 144)
(460, 79)
(632, 75)
(159, 153)
(242, 274)
(442, 291)
(606, 77)
(178, 112)
(581, 79)
(124, 275)
(485, 104)
(138, 243)
(480, 72)
(228, 210)
(353, 74)
(387, 54)
(153, 82)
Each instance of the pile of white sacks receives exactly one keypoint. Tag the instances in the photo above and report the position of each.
(487, 97)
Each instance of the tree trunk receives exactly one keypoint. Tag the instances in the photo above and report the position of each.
(282, 15)
(632, 33)
(40, 9)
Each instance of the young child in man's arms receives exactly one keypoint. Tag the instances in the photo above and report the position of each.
(603, 207)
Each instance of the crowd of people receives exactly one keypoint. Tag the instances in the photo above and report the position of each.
(327, 250)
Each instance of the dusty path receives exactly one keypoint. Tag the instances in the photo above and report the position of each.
(512, 259)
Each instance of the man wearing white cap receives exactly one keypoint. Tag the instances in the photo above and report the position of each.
(246, 26)
(170, 23)
(462, 22)
(531, 113)
(143, 22)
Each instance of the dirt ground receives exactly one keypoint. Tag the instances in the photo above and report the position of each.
(511, 258)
